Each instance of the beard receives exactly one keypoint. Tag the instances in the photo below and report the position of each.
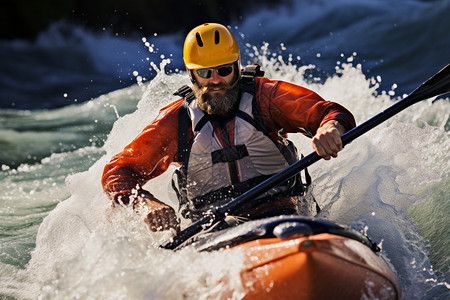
(218, 105)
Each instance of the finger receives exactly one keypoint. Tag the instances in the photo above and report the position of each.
(332, 144)
(172, 220)
(331, 148)
(166, 219)
(162, 220)
(175, 223)
(326, 147)
(337, 140)
(322, 152)
(318, 147)
(158, 220)
(332, 139)
(150, 220)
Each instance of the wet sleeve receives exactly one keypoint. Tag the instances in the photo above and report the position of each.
(146, 157)
(297, 109)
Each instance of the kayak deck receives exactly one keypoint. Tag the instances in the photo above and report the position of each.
(323, 266)
(293, 257)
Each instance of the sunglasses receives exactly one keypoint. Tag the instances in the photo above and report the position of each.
(222, 71)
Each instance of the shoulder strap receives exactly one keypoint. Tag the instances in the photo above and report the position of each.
(184, 122)
(248, 75)
(185, 92)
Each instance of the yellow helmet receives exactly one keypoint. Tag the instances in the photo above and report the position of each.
(210, 45)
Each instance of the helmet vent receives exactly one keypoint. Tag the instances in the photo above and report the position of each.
(216, 37)
(199, 39)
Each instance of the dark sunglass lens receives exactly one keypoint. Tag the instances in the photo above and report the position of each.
(222, 71)
(225, 71)
(205, 73)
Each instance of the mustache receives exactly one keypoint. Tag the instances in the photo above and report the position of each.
(209, 87)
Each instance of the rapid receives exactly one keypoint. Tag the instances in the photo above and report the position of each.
(61, 238)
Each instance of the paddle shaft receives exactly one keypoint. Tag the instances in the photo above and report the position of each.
(437, 85)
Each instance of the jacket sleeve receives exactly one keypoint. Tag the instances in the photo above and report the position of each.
(296, 109)
(146, 157)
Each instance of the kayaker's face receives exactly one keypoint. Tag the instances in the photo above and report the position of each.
(216, 80)
(213, 89)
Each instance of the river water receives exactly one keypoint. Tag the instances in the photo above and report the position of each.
(73, 98)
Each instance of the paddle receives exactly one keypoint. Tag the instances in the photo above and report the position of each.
(437, 85)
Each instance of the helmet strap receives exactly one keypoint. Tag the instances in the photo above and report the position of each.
(191, 76)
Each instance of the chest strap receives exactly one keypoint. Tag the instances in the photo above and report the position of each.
(229, 154)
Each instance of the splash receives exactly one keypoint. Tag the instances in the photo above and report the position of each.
(86, 248)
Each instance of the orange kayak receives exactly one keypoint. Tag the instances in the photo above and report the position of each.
(291, 257)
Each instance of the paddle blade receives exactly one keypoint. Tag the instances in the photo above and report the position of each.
(437, 85)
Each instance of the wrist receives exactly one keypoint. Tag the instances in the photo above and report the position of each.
(336, 124)
(145, 199)
(121, 198)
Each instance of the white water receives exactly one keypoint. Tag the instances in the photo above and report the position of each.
(85, 249)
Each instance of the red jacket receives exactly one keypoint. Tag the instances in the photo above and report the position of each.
(284, 106)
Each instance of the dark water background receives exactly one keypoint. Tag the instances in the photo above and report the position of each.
(87, 50)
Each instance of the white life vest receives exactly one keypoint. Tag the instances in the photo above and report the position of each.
(213, 164)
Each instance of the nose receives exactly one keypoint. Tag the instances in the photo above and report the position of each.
(215, 78)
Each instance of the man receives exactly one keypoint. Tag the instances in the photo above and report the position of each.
(228, 133)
